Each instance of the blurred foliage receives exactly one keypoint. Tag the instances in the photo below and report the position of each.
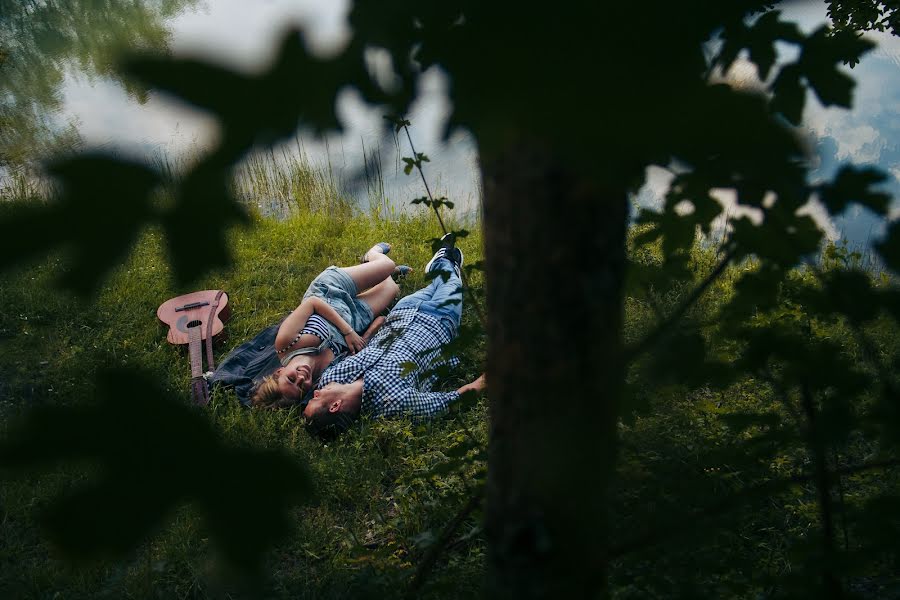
(119, 434)
(806, 336)
(44, 41)
(865, 15)
(798, 401)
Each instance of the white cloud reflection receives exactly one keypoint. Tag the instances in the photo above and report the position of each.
(868, 134)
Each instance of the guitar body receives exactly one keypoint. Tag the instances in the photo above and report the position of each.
(196, 311)
(193, 318)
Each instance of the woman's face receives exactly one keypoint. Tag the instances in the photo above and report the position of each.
(294, 380)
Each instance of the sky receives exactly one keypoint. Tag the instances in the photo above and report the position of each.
(243, 35)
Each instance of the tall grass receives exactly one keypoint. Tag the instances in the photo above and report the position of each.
(284, 184)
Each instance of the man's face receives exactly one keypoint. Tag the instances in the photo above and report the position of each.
(325, 397)
(294, 381)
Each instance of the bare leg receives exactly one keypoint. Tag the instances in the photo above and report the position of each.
(380, 296)
(371, 273)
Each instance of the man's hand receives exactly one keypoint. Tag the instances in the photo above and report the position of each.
(477, 386)
(373, 328)
(354, 342)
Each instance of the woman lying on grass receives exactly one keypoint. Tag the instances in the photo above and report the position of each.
(334, 317)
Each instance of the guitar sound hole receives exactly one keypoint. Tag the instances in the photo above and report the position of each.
(194, 323)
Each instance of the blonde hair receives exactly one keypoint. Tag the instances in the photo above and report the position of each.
(266, 393)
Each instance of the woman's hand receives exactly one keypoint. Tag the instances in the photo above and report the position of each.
(354, 342)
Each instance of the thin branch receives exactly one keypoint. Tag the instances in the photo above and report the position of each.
(808, 424)
(465, 278)
(843, 503)
(434, 552)
(418, 164)
(632, 353)
(823, 488)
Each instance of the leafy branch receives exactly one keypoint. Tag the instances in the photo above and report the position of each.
(401, 124)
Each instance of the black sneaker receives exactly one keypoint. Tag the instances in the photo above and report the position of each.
(450, 252)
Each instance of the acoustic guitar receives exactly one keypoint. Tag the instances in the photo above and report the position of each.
(192, 319)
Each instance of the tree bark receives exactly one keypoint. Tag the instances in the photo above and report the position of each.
(555, 255)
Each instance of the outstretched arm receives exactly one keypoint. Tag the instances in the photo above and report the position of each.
(416, 404)
(425, 405)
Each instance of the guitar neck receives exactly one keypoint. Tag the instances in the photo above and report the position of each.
(195, 347)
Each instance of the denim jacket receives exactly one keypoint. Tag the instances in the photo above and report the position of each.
(248, 363)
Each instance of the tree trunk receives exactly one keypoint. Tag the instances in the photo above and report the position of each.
(554, 247)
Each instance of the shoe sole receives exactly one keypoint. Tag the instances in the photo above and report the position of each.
(458, 267)
(434, 258)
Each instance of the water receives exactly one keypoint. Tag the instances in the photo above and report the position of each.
(59, 87)
(60, 83)
(868, 134)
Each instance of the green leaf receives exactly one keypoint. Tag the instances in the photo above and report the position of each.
(151, 455)
(475, 266)
(845, 292)
(741, 421)
(889, 247)
(103, 204)
(197, 224)
(784, 238)
(789, 95)
(442, 201)
(398, 122)
(759, 38)
(682, 358)
(466, 401)
(756, 290)
(442, 273)
(821, 54)
(852, 184)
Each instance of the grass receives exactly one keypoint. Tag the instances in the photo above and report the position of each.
(365, 527)
(379, 500)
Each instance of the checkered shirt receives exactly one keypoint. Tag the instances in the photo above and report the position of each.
(396, 367)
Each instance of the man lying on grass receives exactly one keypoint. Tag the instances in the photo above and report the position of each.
(378, 380)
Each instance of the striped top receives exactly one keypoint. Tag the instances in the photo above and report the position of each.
(318, 326)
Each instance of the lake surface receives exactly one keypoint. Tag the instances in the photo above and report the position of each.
(59, 77)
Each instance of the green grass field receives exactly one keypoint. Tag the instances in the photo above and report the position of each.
(384, 491)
